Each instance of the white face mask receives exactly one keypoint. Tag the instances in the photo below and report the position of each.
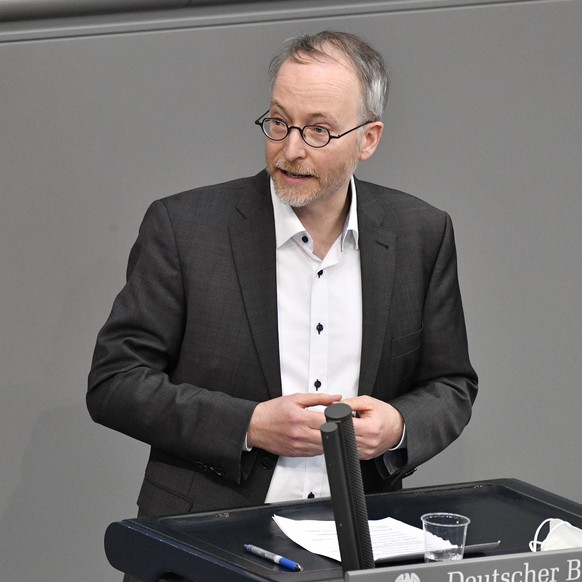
(562, 536)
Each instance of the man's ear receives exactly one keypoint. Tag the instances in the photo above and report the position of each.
(372, 135)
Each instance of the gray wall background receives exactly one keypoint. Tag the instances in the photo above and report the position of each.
(99, 116)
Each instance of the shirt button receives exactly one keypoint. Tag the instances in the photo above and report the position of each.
(304, 239)
(319, 328)
(317, 384)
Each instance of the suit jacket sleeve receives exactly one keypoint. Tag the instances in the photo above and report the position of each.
(132, 385)
(436, 402)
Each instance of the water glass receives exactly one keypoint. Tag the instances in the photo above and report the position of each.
(444, 536)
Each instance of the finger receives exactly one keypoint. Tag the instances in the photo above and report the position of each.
(314, 419)
(315, 399)
(363, 403)
(355, 402)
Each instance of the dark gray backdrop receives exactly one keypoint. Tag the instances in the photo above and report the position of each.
(99, 116)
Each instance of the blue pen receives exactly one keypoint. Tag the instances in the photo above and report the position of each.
(273, 558)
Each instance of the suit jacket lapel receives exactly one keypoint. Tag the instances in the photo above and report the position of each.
(378, 261)
(253, 246)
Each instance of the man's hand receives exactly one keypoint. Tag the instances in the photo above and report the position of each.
(285, 427)
(379, 427)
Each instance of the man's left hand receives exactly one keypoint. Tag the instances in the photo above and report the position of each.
(378, 428)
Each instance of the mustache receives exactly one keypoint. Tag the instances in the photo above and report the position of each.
(296, 169)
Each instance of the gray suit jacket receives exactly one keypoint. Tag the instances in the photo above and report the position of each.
(191, 344)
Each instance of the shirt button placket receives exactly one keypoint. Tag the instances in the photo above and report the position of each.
(318, 356)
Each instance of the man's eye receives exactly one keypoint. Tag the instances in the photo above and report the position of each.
(278, 122)
(319, 130)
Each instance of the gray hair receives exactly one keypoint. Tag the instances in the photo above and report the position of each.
(367, 63)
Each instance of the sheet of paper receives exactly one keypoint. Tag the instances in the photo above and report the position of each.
(390, 537)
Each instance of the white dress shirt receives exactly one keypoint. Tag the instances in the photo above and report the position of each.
(320, 331)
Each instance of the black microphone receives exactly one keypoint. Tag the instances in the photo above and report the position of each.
(346, 487)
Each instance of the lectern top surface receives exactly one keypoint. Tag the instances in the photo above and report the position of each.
(506, 510)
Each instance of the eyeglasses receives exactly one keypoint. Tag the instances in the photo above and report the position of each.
(314, 136)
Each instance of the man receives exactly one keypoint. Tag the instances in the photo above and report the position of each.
(252, 305)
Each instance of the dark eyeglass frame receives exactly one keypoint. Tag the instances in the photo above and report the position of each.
(260, 122)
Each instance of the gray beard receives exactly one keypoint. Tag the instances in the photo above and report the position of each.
(293, 201)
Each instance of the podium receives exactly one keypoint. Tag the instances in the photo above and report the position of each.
(207, 547)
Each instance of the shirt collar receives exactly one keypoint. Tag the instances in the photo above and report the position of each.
(287, 225)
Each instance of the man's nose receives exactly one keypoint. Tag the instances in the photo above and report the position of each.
(294, 147)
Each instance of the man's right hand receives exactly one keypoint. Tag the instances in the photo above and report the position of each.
(284, 426)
